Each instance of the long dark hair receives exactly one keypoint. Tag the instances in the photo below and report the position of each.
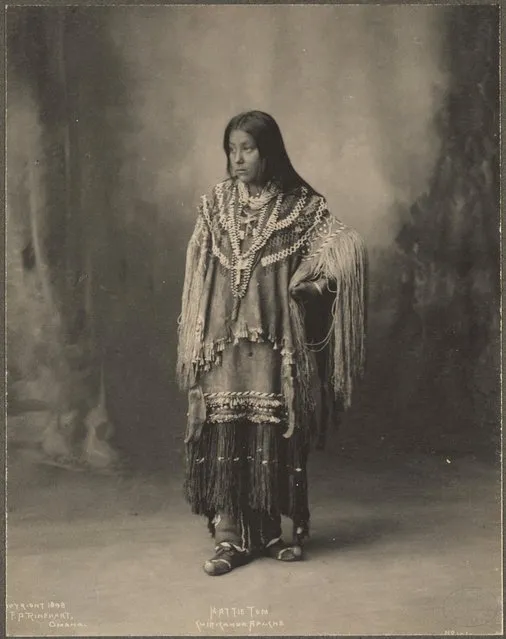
(264, 129)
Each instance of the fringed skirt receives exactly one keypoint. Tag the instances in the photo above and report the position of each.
(243, 468)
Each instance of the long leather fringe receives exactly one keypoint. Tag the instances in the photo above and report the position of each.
(188, 329)
(238, 466)
(341, 260)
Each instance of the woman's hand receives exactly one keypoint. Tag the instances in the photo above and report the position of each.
(196, 414)
(307, 290)
(193, 432)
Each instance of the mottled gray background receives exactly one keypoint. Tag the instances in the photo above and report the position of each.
(115, 118)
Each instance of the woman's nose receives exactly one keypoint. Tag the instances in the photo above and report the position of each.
(238, 157)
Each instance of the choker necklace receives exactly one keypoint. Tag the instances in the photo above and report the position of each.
(257, 202)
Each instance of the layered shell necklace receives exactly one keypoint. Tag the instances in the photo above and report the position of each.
(237, 216)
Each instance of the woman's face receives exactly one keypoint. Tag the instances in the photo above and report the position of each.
(245, 161)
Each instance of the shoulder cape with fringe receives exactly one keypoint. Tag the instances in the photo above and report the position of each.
(305, 243)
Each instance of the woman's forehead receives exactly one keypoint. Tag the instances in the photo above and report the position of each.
(237, 136)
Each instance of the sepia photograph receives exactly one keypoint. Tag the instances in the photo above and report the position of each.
(253, 320)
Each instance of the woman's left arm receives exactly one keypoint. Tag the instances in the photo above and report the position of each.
(333, 270)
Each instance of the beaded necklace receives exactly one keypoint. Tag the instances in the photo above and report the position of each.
(242, 262)
(230, 214)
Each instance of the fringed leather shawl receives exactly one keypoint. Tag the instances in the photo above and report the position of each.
(239, 289)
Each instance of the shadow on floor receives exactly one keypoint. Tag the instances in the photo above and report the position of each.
(350, 534)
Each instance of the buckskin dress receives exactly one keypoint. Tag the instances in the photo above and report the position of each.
(245, 348)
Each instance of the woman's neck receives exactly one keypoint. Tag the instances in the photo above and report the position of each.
(255, 189)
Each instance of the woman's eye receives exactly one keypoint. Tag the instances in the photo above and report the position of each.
(244, 149)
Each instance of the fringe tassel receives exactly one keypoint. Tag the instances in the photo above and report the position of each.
(297, 375)
(341, 260)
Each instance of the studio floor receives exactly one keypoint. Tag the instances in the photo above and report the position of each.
(408, 546)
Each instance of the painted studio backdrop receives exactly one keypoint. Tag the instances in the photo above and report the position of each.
(114, 127)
